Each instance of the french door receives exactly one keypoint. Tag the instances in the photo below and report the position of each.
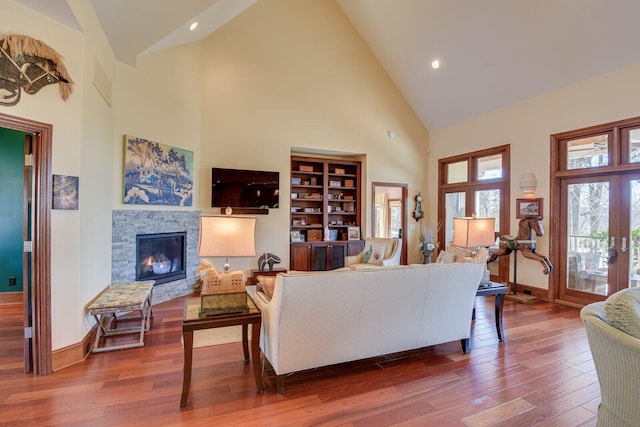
(596, 176)
(601, 219)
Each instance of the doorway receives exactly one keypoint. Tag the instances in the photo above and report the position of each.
(389, 213)
(37, 302)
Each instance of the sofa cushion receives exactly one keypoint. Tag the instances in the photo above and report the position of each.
(266, 285)
(374, 254)
(367, 266)
(622, 311)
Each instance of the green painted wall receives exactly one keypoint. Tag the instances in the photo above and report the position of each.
(11, 202)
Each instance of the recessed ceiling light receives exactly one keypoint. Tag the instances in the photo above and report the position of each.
(193, 26)
(435, 64)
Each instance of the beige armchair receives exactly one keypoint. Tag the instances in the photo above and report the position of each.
(378, 252)
(616, 356)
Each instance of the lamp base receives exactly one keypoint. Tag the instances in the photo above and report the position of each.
(216, 304)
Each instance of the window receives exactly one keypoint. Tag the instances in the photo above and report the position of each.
(477, 184)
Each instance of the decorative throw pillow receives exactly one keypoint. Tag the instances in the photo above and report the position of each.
(459, 253)
(445, 257)
(266, 285)
(377, 253)
(622, 311)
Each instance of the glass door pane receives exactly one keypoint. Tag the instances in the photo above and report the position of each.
(395, 216)
(588, 152)
(487, 205)
(489, 167)
(454, 206)
(587, 237)
(633, 237)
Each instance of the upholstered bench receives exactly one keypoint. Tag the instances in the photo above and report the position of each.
(125, 298)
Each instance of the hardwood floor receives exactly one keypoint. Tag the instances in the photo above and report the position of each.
(541, 375)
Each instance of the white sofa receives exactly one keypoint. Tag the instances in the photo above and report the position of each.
(322, 318)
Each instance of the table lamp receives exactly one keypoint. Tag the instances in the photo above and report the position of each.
(476, 234)
(227, 236)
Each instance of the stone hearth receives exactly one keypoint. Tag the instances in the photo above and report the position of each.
(129, 223)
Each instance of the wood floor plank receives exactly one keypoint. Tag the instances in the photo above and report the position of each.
(542, 374)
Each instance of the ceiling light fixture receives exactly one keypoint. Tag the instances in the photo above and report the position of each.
(435, 64)
(193, 26)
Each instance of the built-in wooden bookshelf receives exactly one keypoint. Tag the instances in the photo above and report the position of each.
(325, 197)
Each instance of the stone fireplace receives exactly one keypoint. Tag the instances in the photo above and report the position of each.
(128, 225)
(161, 256)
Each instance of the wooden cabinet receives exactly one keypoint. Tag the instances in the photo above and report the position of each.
(354, 247)
(321, 256)
(325, 196)
(300, 256)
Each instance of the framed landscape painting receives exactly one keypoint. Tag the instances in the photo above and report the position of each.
(156, 174)
(528, 207)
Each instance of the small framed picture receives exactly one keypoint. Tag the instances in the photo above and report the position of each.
(65, 192)
(354, 233)
(296, 236)
(528, 207)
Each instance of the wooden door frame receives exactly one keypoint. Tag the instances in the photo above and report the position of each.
(558, 172)
(404, 201)
(41, 237)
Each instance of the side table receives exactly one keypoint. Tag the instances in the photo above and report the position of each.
(192, 320)
(499, 290)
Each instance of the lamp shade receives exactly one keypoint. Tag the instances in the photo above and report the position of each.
(227, 236)
(470, 232)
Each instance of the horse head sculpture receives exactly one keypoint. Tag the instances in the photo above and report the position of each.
(268, 259)
(29, 64)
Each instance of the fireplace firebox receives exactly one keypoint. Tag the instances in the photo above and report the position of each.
(161, 257)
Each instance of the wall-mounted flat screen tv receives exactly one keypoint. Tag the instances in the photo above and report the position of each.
(239, 188)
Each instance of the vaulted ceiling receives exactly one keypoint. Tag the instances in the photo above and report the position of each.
(492, 53)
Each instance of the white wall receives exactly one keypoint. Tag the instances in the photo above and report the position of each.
(527, 126)
(160, 100)
(79, 250)
(288, 74)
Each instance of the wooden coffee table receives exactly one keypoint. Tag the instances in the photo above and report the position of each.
(192, 321)
(499, 290)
